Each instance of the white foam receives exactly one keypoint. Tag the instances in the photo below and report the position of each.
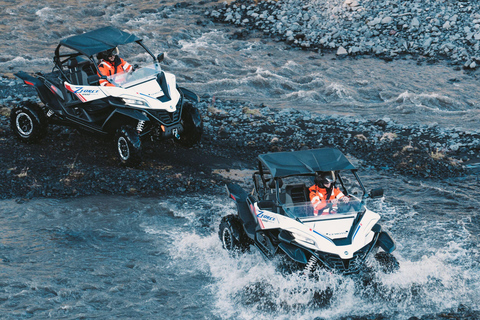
(246, 286)
(338, 90)
(24, 63)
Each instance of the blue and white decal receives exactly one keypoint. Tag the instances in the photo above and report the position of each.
(264, 216)
(265, 220)
(85, 93)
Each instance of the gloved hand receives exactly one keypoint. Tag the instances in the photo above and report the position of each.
(345, 199)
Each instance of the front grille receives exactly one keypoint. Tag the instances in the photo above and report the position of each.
(346, 266)
(165, 117)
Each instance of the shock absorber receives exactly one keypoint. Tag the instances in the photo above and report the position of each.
(140, 125)
(309, 267)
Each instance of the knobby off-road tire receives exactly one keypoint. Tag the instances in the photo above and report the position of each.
(230, 229)
(192, 126)
(28, 122)
(387, 262)
(128, 146)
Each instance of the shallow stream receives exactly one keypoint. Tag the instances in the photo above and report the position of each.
(114, 257)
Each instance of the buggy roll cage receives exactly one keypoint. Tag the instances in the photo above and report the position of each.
(91, 43)
(266, 184)
(306, 163)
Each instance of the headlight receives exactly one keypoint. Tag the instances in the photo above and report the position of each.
(135, 102)
(304, 239)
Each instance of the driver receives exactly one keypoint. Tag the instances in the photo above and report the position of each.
(110, 64)
(324, 190)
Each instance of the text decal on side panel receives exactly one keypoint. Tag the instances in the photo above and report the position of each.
(265, 220)
(85, 93)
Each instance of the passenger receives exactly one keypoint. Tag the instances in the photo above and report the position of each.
(324, 190)
(109, 64)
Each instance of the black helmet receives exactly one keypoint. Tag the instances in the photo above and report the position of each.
(324, 177)
(107, 53)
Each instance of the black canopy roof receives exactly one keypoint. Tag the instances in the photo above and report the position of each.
(284, 164)
(92, 42)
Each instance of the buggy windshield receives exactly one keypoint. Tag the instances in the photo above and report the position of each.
(305, 210)
(128, 79)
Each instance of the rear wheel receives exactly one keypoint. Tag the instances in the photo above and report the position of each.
(28, 122)
(128, 146)
(232, 235)
(192, 126)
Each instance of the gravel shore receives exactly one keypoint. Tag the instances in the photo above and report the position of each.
(429, 28)
(70, 163)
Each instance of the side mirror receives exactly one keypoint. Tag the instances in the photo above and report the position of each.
(160, 57)
(376, 193)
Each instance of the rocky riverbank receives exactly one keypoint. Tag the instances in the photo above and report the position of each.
(430, 29)
(70, 163)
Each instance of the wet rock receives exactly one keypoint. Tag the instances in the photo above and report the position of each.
(381, 123)
(223, 133)
(341, 51)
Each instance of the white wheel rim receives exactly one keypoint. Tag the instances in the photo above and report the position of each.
(24, 124)
(227, 239)
(123, 149)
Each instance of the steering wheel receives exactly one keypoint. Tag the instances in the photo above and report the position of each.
(330, 208)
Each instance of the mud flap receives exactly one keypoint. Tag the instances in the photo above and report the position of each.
(295, 253)
(386, 242)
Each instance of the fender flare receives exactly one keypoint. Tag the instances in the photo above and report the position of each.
(386, 242)
(44, 93)
(190, 95)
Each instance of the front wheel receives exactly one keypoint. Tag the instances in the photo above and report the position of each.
(387, 262)
(192, 126)
(128, 146)
(232, 235)
(28, 122)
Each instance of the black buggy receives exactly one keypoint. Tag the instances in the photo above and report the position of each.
(144, 105)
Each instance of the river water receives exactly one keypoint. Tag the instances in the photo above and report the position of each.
(113, 257)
